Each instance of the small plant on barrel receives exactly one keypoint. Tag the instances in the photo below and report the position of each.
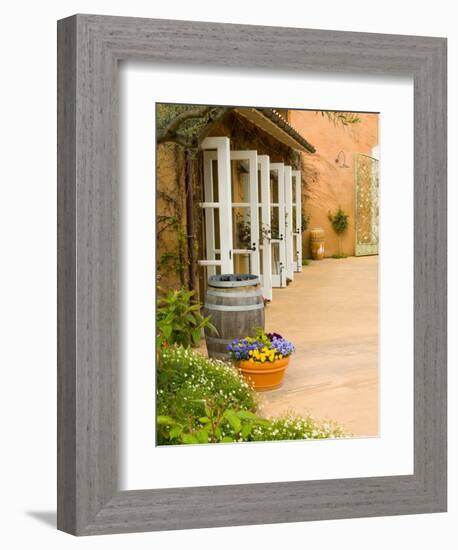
(262, 359)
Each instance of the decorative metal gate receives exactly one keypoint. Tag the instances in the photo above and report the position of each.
(367, 205)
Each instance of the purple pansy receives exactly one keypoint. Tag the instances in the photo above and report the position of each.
(240, 348)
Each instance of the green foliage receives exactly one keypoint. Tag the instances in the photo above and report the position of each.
(218, 425)
(305, 261)
(262, 336)
(184, 123)
(174, 261)
(339, 221)
(274, 228)
(243, 231)
(290, 427)
(179, 320)
(305, 221)
(166, 113)
(341, 118)
(196, 394)
(201, 400)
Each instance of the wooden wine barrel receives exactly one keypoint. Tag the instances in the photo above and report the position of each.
(317, 243)
(236, 307)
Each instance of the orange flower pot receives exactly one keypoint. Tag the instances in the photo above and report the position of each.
(264, 376)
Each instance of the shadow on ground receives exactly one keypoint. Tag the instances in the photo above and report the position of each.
(47, 517)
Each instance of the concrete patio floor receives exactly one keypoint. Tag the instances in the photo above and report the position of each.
(330, 313)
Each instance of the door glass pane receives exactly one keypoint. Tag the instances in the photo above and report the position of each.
(240, 181)
(241, 227)
(275, 258)
(217, 235)
(274, 186)
(259, 187)
(275, 222)
(215, 181)
(209, 229)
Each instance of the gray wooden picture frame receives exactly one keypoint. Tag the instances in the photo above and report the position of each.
(89, 49)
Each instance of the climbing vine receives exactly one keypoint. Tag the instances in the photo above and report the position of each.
(305, 221)
(341, 118)
(171, 230)
(175, 261)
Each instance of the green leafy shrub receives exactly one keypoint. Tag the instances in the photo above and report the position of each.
(191, 387)
(179, 320)
(339, 222)
(219, 425)
(202, 400)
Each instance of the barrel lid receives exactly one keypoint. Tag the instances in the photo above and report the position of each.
(233, 280)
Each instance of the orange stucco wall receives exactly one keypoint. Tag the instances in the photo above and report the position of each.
(171, 258)
(325, 184)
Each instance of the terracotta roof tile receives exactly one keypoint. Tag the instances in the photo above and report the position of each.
(280, 121)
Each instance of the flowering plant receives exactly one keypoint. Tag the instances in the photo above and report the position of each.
(263, 348)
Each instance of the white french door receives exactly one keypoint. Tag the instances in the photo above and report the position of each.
(277, 224)
(252, 215)
(265, 253)
(217, 257)
(289, 223)
(297, 220)
(245, 215)
(231, 224)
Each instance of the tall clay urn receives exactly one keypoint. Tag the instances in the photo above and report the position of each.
(317, 243)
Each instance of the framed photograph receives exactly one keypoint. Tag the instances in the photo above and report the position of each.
(251, 275)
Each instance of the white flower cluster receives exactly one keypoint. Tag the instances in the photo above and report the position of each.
(291, 426)
(197, 374)
(195, 379)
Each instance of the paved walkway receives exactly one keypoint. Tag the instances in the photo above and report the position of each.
(330, 313)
